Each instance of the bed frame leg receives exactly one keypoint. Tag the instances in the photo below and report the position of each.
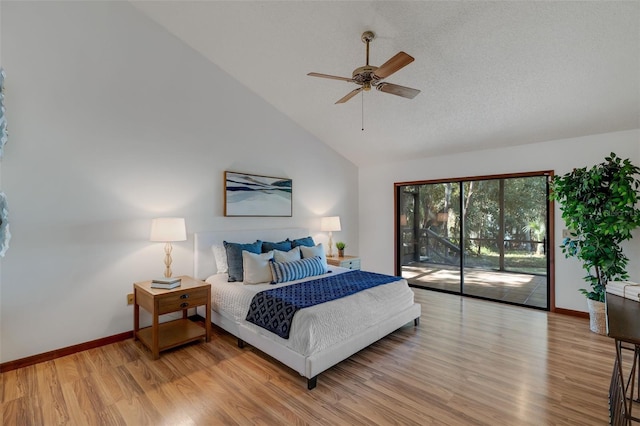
(312, 382)
(240, 343)
(416, 321)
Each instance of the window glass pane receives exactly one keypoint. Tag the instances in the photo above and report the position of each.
(430, 233)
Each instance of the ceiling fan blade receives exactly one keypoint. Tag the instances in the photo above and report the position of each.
(349, 95)
(334, 77)
(400, 60)
(394, 89)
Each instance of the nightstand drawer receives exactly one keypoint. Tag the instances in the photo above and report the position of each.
(176, 301)
(351, 264)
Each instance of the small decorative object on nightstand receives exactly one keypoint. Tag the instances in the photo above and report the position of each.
(351, 262)
(158, 337)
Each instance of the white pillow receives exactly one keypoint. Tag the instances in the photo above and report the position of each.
(256, 267)
(287, 256)
(315, 251)
(220, 254)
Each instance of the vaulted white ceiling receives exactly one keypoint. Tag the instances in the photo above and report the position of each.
(492, 74)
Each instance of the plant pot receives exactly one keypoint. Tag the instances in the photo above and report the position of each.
(597, 317)
(340, 253)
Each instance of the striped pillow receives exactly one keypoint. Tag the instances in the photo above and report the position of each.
(296, 270)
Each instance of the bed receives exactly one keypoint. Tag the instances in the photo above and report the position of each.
(321, 335)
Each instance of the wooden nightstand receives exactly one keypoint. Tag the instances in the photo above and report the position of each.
(159, 337)
(351, 262)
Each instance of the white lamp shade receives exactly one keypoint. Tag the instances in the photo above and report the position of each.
(330, 224)
(166, 229)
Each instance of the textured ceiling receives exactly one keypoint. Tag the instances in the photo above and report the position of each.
(492, 74)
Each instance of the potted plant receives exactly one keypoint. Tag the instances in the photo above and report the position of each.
(599, 208)
(340, 246)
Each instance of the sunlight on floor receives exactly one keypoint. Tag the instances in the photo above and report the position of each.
(526, 289)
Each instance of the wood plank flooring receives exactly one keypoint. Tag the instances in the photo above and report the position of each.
(469, 362)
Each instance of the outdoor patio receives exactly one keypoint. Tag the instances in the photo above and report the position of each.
(520, 288)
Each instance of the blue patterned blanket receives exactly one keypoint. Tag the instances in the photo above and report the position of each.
(274, 309)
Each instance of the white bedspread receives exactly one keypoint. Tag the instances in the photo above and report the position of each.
(320, 326)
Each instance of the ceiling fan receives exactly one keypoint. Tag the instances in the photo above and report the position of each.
(370, 76)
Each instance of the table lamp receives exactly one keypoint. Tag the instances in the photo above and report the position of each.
(166, 230)
(330, 224)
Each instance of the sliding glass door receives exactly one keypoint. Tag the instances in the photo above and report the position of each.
(430, 233)
(482, 237)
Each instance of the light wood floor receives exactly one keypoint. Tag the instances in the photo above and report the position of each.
(470, 362)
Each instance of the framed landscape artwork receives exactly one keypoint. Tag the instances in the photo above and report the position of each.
(254, 195)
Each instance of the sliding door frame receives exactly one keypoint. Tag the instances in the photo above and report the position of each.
(550, 247)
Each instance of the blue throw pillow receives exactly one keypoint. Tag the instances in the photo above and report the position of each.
(296, 270)
(267, 246)
(234, 257)
(306, 241)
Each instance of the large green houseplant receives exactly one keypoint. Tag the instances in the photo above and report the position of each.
(599, 207)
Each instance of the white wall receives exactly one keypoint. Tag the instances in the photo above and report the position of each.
(0, 190)
(112, 122)
(376, 196)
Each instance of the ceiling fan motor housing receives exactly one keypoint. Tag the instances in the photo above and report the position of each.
(365, 75)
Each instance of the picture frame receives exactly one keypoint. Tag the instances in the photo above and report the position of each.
(247, 194)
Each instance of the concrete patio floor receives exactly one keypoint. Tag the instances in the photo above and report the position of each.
(523, 289)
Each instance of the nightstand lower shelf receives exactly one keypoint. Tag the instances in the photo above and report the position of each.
(172, 334)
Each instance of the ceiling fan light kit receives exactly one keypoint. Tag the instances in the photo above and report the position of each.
(369, 76)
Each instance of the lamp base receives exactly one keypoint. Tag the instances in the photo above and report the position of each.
(167, 260)
(330, 253)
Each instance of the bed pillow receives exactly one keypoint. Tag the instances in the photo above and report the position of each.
(256, 267)
(296, 270)
(306, 241)
(234, 257)
(220, 255)
(287, 256)
(267, 246)
(313, 252)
